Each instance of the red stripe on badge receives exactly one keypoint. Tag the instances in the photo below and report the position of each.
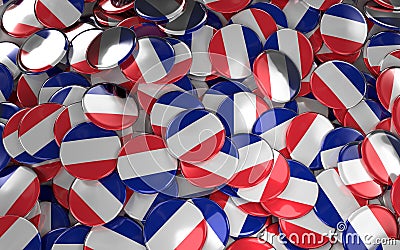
(197, 233)
(84, 210)
(85, 169)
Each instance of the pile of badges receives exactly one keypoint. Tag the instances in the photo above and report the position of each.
(200, 124)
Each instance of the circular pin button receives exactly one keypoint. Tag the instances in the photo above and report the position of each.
(60, 14)
(72, 237)
(68, 95)
(388, 87)
(160, 11)
(12, 238)
(61, 185)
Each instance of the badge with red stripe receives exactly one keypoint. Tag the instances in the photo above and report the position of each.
(160, 227)
(68, 95)
(46, 170)
(251, 208)
(110, 107)
(291, 204)
(40, 120)
(388, 87)
(338, 85)
(380, 152)
(234, 59)
(95, 203)
(89, 152)
(149, 151)
(114, 76)
(18, 233)
(304, 138)
(215, 171)
(19, 191)
(296, 46)
(391, 60)
(60, 14)
(52, 216)
(325, 54)
(61, 185)
(255, 161)
(195, 136)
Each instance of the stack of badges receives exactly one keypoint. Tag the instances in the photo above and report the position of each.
(199, 124)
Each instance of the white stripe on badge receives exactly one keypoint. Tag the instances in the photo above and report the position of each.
(300, 191)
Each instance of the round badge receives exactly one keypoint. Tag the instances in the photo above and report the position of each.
(60, 14)
(77, 52)
(380, 152)
(325, 54)
(19, 191)
(195, 136)
(46, 170)
(89, 152)
(156, 50)
(68, 95)
(388, 87)
(275, 12)
(382, 16)
(114, 76)
(163, 219)
(309, 225)
(19, 19)
(160, 11)
(191, 19)
(371, 221)
(391, 60)
(250, 243)
(241, 223)
(120, 233)
(72, 237)
(107, 20)
(251, 208)
(272, 186)
(338, 85)
(52, 216)
(394, 196)
(149, 151)
(215, 171)
(304, 138)
(258, 20)
(61, 185)
(40, 120)
(234, 60)
(111, 48)
(334, 142)
(239, 111)
(18, 233)
(50, 45)
(49, 238)
(293, 43)
(95, 203)
(255, 161)
(110, 107)
(290, 203)
(351, 35)
(276, 75)
(8, 57)
(217, 224)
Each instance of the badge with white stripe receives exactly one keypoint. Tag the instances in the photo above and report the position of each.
(19, 19)
(387, 18)
(60, 14)
(296, 46)
(168, 106)
(120, 233)
(50, 44)
(145, 165)
(343, 29)
(258, 20)
(300, 16)
(365, 116)
(255, 161)
(272, 124)
(234, 59)
(8, 57)
(388, 87)
(217, 224)
(160, 227)
(114, 76)
(251, 208)
(309, 225)
(377, 47)
(195, 136)
(77, 52)
(52, 216)
(241, 223)
(215, 171)
(110, 107)
(380, 152)
(156, 50)
(291, 204)
(72, 238)
(272, 186)
(61, 185)
(40, 120)
(304, 138)
(335, 201)
(276, 13)
(97, 202)
(239, 111)
(391, 60)
(18, 233)
(89, 152)
(334, 142)
(19, 191)
(338, 85)
(277, 76)
(159, 11)
(217, 93)
(68, 95)
(367, 225)
(250, 243)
